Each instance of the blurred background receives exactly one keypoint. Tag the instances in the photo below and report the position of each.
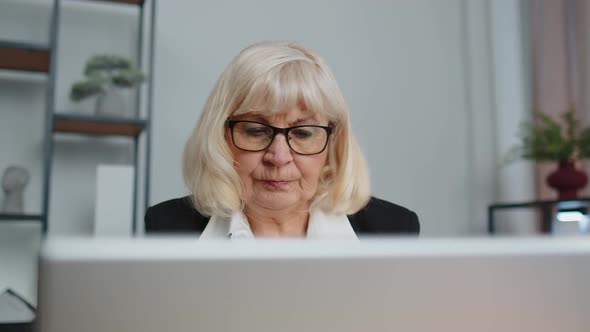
(437, 91)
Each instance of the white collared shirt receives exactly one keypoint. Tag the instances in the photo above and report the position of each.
(321, 226)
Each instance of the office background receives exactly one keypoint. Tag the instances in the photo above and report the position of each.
(436, 90)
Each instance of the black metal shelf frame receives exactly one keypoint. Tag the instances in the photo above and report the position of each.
(12, 217)
(24, 45)
(545, 206)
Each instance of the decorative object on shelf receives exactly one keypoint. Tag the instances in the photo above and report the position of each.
(563, 141)
(14, 181)
(567, 180)
(105, 74)
(113, 212)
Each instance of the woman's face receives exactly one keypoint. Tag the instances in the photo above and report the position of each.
(277, 178)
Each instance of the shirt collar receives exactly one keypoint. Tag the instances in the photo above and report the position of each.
(239, 228)
(321, 226)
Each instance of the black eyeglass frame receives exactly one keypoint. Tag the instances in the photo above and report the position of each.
(275, 132)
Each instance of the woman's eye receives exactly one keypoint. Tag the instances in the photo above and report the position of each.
(302, 133)
(257, 132)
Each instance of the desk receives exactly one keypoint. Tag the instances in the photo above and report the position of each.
(546, 207)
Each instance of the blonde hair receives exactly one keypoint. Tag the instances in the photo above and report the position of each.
(273, 76)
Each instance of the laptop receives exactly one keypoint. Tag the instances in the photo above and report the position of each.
(180, 284)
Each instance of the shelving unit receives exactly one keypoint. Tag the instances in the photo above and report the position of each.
(28, 57)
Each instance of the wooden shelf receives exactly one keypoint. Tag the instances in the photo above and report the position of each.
(102, 126)
(24, 57)
(12, 217)
(135, 2)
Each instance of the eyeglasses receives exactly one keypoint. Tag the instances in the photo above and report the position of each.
(255, 136)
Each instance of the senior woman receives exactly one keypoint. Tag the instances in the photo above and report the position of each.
(273, 155)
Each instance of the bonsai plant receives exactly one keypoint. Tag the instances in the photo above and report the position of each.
(563, 141)
(103, 74)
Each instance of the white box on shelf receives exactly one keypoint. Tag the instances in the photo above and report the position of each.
(114, 200)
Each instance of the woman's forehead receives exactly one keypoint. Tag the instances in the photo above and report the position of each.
(293, 116)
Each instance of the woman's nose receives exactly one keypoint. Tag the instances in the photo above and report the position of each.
(278, 153)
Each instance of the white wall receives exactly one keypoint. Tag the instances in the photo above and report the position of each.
(419, 76)
(400, 65)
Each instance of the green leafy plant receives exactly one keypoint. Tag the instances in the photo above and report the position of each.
(104, 72)
(547, 139)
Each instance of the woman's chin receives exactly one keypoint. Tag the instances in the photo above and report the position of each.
(278, 201)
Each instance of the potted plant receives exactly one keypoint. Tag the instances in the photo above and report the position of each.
(546, 139)
(105, 73)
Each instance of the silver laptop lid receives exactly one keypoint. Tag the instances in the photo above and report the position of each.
(373, 285)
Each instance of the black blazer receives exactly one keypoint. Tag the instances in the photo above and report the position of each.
(378, 217)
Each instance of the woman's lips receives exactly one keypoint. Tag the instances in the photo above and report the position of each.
(277, 184)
